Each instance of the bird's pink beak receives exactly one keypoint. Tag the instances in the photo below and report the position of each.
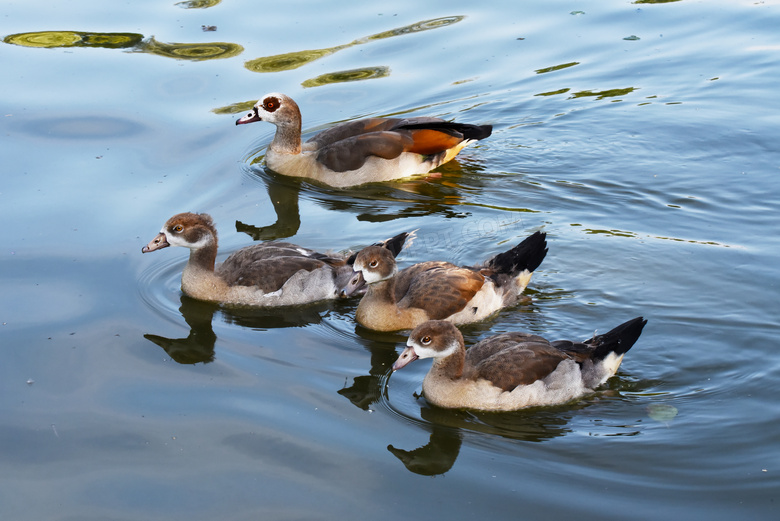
(158, 243)
(249, 118)
(407, 357)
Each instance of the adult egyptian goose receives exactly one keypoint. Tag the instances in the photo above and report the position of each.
(438, 290)
(514, 370)
(265, 274)
(363, 151)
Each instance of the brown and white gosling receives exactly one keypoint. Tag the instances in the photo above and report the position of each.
(362, 151)
(438, 290)
(514, 370)
(265, 274)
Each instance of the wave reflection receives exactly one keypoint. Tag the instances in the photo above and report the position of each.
(365, 73)
(198, 4)
(294, 60)
(133, 42)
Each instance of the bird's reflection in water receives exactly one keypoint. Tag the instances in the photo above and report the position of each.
(367, 389)
(198, 346)
(278, 317)
(439, 193)
(435, 457)
(284, 194)
(449, 428)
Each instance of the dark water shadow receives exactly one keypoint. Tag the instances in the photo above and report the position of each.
(284, 193)
(440, 193)
(448, 428)
(435, 457)
(366, 390)
(278, 317)
(199, 345)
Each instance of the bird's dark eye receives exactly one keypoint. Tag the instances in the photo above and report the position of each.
(270, 104)
(178, 228)
(425, 340)
(373, 264)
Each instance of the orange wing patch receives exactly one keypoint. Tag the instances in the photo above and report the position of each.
(427, 141)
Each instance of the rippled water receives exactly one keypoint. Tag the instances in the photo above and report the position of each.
(642, 137)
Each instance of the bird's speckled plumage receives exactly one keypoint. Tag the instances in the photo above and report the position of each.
(514, 370)
(363, 151)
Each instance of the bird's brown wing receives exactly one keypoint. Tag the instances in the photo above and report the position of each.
(513, 359)
(347, 147)
(441, 289)
(269, 265)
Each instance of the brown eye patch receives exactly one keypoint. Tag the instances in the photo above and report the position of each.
(178, 228)
(271, 103)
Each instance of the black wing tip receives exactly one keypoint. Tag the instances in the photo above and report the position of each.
(396, 244)
(480, 132)
(619, 339)
(528, 255)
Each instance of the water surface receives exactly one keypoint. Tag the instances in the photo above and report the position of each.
(641, 137)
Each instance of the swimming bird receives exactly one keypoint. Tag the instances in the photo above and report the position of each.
(362, 151)
(514, 370)
(438, 290)
(265, 274)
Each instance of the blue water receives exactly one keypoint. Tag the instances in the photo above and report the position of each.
(641, 137)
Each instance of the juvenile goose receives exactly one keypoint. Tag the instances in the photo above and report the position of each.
(265, 274)
(362, 151)
(438, 290)
(514, 370)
